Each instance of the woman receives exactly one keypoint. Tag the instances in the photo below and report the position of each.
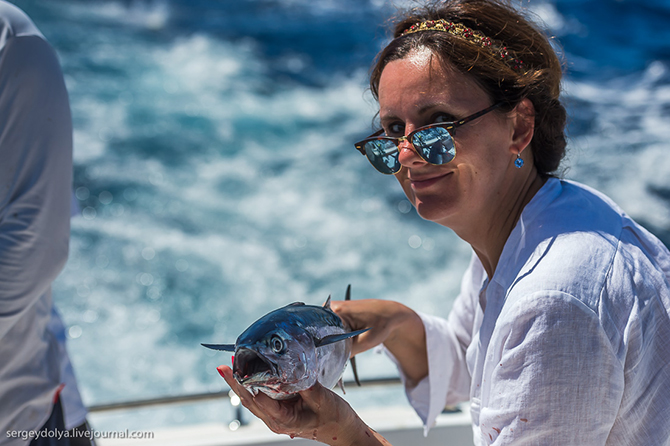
(561, 332)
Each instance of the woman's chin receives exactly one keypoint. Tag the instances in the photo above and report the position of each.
(434, 210)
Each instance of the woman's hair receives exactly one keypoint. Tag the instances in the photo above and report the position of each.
(528, 67)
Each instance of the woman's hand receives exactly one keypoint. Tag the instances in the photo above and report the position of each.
(316, 413)
(398, 327)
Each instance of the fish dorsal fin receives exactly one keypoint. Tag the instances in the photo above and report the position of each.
(347, 296)
(222, 347)
(338, 337)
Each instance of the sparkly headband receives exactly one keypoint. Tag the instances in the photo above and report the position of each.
(472, 36)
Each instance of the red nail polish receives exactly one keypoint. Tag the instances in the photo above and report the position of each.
(220, 372)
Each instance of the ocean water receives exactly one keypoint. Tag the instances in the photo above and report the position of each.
(217, 181)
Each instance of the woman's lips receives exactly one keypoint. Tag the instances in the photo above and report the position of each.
(424, 183)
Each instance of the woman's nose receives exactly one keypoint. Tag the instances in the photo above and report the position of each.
(407, 155)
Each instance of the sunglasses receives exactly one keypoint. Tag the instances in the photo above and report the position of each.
(434, 143)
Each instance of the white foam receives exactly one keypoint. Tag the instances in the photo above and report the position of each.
(149, 14)
(548, 15)
(623, 155)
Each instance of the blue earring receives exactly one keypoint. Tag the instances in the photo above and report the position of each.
(518, 162)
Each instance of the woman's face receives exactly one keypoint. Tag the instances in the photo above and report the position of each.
(417, 91)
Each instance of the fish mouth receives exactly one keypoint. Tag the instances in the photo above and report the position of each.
(252, 367)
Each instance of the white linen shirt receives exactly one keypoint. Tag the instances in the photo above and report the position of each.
(569, 342)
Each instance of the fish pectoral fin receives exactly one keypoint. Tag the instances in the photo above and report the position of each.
(338, 337)
(222, 347)
(353, 369)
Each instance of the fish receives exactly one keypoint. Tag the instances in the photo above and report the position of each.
(289, 349)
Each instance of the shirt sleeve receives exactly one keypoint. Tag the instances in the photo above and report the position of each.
(35, 174)
(448, 380)
(558, 380)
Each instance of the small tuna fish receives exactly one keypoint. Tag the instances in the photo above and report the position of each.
(289, 349)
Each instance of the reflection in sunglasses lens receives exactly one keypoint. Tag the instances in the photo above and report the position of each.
(383, 154)
(435, 145)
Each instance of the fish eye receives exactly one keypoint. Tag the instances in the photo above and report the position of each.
(277, 344)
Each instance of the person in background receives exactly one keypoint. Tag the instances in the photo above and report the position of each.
(561, 332)
(37, 384)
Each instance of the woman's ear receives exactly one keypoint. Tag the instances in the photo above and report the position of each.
(524, 126)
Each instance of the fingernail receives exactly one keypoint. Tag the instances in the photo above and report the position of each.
(218, 369)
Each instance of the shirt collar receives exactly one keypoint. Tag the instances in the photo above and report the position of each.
(515, 247)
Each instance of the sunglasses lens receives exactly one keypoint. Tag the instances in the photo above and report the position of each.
(435, 145)
(383, 154)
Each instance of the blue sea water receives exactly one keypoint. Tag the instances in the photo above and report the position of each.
(216, 178)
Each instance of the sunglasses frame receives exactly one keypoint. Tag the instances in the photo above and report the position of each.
(448, 126)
